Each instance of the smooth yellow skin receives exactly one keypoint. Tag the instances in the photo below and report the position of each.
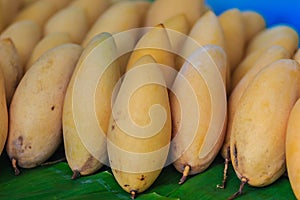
(232, 23)
(162, 10)
(49, 41)
(10, 66)
(281, 35)
(8, 11)
(3, 115)
(121, 16)
(156, 43)
(245, 65)
(25, 35)
(250, 60)
(271, 55)
(35, 118)
(39, 11)
(292, 148)
(87, 153)
(136, 161)
(177, 28)
(253, 23)
(63, 21)
(93, 8)
(199, 150)
(206, 30)
(258, 131)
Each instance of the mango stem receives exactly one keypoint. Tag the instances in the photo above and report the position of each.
(75, 175)
(14, 166)
(225, 171)
(132, 194)
(244, 180)
(185, 173)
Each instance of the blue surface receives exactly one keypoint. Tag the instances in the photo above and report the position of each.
(274, 12)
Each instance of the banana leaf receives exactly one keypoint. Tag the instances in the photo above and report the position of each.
(54, 182)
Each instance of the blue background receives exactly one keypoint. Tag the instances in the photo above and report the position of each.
(274, 12)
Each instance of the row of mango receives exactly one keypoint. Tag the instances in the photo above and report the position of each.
(138, 86)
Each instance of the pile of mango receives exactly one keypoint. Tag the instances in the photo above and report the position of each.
(139, 85)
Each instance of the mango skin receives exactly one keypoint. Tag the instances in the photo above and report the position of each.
(25, 35)
(292, 148)
(197, 147)
(63, 21)
(87, 155)
(234, 33)
(160, 10)
(35, 117)
(49, 41)
(3, 114)
(271, 55)
(281, 35)
(119, 17)
(137, 159)
(8, 11)
(92, 8)
(38, 12)
(10, 66)
(253, 23)
(257, 140)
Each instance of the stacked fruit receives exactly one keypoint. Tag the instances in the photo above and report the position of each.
(137, 86)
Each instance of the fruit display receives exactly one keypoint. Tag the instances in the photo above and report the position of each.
(147, 99)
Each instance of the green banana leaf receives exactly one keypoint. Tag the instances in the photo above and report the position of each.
(54, 182)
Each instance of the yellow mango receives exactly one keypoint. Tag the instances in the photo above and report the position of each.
(161, 10)
(25, 35)
(11, 68)
(63, 21)
(250, 61)
(199, 121)
(258, 130)
(121, 16)
(271, 55)
(292, 148)
(232, 23)
(3, 115)
(93, 8)
(39, 12)
(206, 30)
(140, 128)
(245, 66)
(35, 115)
(254, 22)
(8, 11)
(177, 28)
(49, 41)
(156, 43)
(87, 106)
(281, 35)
